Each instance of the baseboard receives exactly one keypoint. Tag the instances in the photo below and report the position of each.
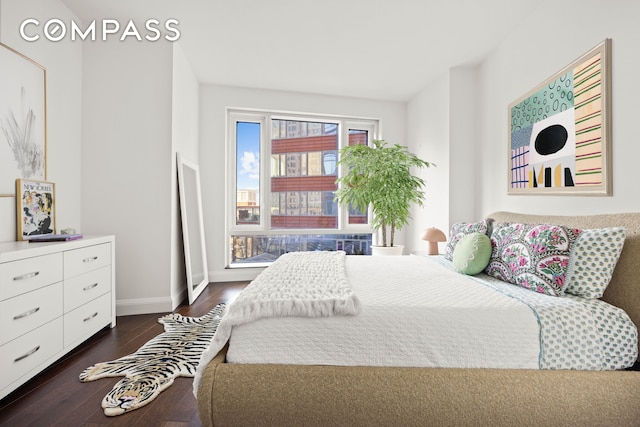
(234, 274)
(143, 306)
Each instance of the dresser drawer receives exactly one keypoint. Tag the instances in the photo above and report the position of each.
(26, 312)
(86, 287)
(25, 275)
(80, 261)
(86, 320)
(27, 352)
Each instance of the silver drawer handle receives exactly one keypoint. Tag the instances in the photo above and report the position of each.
(86, 288)
(29, 353)
(90, 259)
(86, 319)
(27, 276)
(27, 313)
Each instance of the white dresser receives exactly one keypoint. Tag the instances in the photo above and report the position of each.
(53, 296)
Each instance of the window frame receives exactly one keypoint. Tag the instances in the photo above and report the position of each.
(264, 118)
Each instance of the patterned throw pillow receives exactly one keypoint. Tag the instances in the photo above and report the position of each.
(593, 258)
(461, 229)
(534, 256)
(472, 254)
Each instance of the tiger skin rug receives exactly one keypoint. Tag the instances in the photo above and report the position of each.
(153, 367)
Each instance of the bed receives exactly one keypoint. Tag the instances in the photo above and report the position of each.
(331, 391)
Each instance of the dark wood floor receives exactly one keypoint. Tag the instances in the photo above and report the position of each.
(56, 397)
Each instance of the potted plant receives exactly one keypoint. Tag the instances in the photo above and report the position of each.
(381, 176)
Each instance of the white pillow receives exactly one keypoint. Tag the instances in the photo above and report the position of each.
(592, 260)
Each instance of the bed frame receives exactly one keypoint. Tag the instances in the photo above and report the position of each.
(297, 395)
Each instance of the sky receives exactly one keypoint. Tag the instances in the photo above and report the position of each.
(248, 155)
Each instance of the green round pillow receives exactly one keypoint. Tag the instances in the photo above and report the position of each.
(472, 253)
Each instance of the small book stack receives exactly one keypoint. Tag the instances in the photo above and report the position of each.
(54, 237)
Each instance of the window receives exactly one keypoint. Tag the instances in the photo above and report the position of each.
(282, 189)
(247, 172)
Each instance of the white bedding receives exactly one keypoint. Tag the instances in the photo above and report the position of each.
(416, 312)
(413, 313)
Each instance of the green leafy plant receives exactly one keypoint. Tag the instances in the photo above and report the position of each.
(381, 176)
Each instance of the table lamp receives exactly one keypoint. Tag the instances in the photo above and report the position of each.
(433, 236)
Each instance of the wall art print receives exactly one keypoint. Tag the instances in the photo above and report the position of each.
(559, 133)
(23, 146)
(35, 208)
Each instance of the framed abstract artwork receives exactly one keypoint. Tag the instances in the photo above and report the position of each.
(560, 132)
(35, 208)
(23, 136)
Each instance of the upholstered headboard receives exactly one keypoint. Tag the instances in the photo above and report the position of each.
(624, 289)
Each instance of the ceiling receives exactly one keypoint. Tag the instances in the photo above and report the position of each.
(378, 49)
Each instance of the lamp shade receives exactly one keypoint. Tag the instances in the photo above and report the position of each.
(433, 236)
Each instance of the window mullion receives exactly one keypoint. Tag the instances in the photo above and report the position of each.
(265, 174)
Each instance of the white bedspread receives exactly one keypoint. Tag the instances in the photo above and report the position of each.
(414, 313)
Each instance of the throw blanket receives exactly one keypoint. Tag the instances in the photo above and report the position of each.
(306, 284)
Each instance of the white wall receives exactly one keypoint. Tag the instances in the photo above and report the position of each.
(127, 165)
(442, 128)
(460, 121)
(464, 145)
(428, 136)
(63, 62)
(546, 42)
(184, 137)
(213, 102)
